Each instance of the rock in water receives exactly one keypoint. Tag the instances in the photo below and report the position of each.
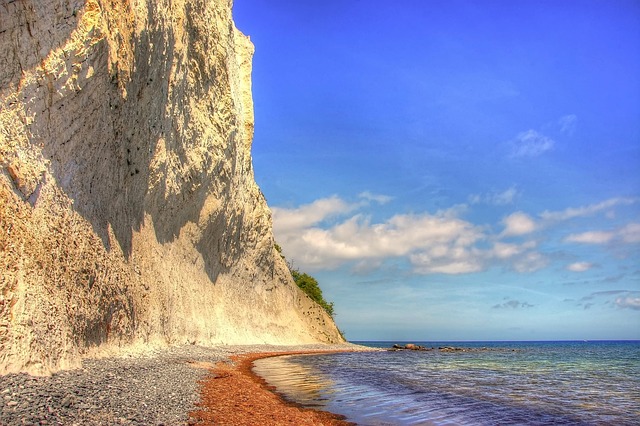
(128, 207)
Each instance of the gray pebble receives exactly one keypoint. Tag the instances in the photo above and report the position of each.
(154, 389)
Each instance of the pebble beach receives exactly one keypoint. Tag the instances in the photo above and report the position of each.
(158, 388)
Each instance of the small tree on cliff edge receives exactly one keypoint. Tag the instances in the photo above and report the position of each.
(308, 284)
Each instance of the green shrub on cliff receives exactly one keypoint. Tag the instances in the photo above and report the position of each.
(309, 285)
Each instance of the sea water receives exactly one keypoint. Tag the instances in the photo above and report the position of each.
(496, 383)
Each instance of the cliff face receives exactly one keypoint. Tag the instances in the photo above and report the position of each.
(129, 214)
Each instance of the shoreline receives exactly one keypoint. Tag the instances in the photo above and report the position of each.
(160, 387)
(234, 394)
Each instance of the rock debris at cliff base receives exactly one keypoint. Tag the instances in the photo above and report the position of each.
(121, 391)
(153, 389)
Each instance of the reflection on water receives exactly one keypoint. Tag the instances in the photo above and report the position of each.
(296, 382)
(538, 384)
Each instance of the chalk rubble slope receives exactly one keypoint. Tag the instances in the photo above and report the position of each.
(130, 217)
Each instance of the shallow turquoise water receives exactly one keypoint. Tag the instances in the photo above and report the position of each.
(512, 383)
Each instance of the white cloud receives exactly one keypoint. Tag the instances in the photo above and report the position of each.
(580, 266)
(628, 302)
(531, 144)
(495, 198)
(331, 232)
(378, 198)
(629, 234)
(439, 242)
(591, 209)
(590, 237)
(505, 197)
(518, 257)
(518, 223)
(285, 220)
(506, 250)
(530, 262)
(447, 260)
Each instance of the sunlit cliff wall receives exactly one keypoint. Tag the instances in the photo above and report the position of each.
(129, 213)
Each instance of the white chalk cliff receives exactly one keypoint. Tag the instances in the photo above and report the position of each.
(129, 213)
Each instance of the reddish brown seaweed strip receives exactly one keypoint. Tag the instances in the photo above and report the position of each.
(234, 395)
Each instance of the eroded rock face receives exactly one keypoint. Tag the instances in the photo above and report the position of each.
(129, 213)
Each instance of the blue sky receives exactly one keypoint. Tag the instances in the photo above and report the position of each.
(455, 170)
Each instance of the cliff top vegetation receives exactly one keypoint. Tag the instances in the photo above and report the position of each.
(309, 285)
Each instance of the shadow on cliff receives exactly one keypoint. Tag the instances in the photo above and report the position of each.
(119, 157)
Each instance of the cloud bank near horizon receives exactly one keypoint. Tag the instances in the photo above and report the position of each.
(331, 232)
